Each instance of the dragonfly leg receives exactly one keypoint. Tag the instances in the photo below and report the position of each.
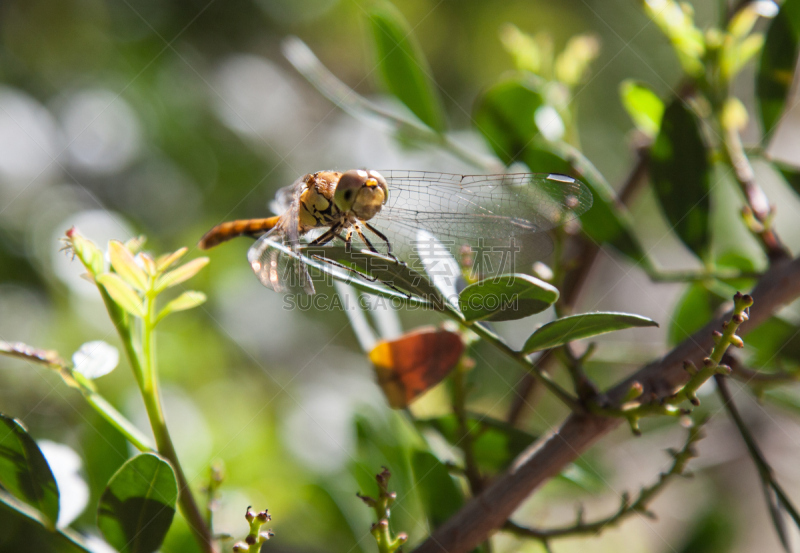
(386, 241)
(323, 239)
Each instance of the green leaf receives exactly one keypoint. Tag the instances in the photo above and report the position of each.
(680, 173)
(505, 116)
(506, 298)
(676, 21)
(181, 274)
(643, 105)
(695, 308)
(575, 327)
(495, 443)
(26, 529)
(122, 294)
(774, 341)
(24, 472)
(378, 267)
(440, 496)
(137, 506)
(777, 64)
(125, 265)
(403, 66)
(187, 300)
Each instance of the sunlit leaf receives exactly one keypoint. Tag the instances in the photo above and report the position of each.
(89, 254)
(187, 300)
(181, 274)
(122, 294)
(572, 64)
(24, 471)
(506, 298)
(95, 359)
(441, 498)
(523, 48)
(165, 261)
(414, 363)
(137, 506)
(403, 66)
(777, 64)
(125, 265)
(643, 105)
(585, 325)
(680, 173)
(676, 21)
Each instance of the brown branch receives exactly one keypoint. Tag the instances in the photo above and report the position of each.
(491, 509)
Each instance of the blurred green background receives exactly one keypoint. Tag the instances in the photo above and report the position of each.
(167, 117)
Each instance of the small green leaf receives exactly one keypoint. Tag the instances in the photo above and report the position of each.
(165, 261)
(125, 265)
(403, 66)
(187, 300)
(137, 506)
(585, 325)
(774, 342)
(680, 173)
(643, 105)
(676, 21)
(181, 274)
(572, 64)
(89, 254)
(776, 66)
(506, 298)
(440, 496)
(695, 308)
(122, 294)
(24, 472)
(505, 116)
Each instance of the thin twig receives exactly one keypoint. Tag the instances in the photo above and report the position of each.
(627, 508)
(759, 459)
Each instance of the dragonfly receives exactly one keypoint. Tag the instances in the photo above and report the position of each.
(379, 209)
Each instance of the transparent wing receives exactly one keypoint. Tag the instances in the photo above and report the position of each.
(472, 207)
(273, 257)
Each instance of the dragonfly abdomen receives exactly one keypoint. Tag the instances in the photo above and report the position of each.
(241, 227)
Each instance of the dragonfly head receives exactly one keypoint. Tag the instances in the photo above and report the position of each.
(361, 192)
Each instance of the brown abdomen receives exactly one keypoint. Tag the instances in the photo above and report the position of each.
(242, 227)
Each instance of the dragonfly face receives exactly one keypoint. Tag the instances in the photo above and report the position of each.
(361, 193)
